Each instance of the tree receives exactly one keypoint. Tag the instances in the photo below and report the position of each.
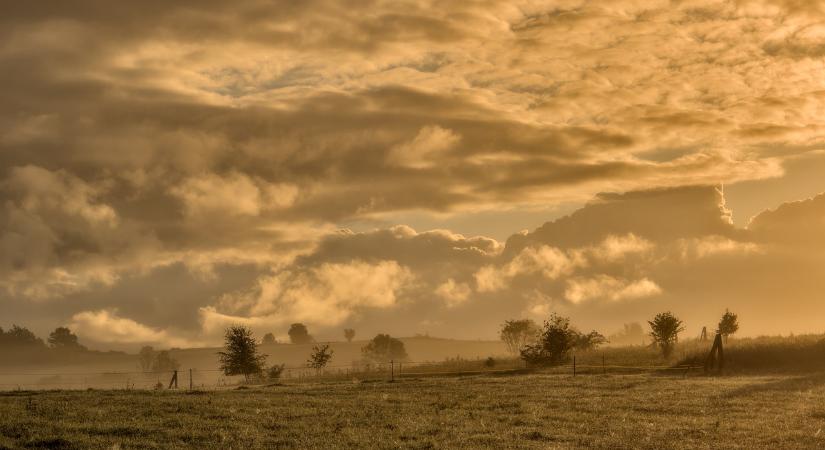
(349, 334)
(589, 341)
(664, 330)
(729, 324)
(518, 333)
(269, 339)
(553, 347)
(63, 338)
(241, 355)
(631, 333)
(164, 362)
(21, 337)
(145, 357)
(320, 356)
(384, 348)
(298, 334)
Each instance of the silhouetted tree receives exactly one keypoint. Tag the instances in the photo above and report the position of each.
(241, 355)
(384, 348)
(298, 334)
(556, 340)
(268, 339)
(145, 357)
(518, 333)
(63, 338)
(589, 341)
(21, 337)
(349, 334)
(664, 330)
(729, 324)
(320, 356)
(164, 362)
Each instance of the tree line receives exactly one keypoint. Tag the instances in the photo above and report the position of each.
(241, 354)
(552, 343)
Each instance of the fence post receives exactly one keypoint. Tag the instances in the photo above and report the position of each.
(574, 365)
(174, 380)
(392, 370)
(190, 379)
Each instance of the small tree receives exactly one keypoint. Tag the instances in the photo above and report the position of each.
(589, 341)
(146, 356)
(164, 362)
(518, 333)
(664, 330)
(556, 340)
(384, 348)
(729, 324)
(298, 334)
(63, 338)
(241, 355)
(268, 339)
(349, 334)
(320, 356)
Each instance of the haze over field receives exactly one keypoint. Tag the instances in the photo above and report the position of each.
(170, 168)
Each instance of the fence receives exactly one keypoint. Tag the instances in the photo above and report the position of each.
(214, 379)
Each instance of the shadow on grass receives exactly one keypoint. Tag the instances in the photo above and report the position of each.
(793, 384)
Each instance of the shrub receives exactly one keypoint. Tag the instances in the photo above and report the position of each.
(273, 373)
(320, 356)
(556, 340)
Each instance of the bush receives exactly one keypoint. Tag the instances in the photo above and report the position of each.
(274, 372)
(556, 340)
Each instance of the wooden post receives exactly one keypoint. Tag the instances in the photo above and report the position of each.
(716, 357)
(392, 370)
(190, 379)
(174, 380)
(574, 365)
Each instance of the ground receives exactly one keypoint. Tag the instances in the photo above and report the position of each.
(515, 411)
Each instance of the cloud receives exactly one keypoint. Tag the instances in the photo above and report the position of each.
(205, 138)
(453, 294)
(325, 295)
(107, 326)
(606, 287)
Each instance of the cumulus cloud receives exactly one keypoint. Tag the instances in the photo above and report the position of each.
(107, 326)
(606, 287)
(133, 142)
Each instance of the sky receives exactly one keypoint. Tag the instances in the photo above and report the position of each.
(168, 168)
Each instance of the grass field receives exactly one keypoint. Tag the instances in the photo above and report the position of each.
(521, 411)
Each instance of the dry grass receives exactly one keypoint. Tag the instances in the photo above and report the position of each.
(525, 411)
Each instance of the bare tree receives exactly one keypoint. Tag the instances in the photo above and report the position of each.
(146, 357)
(518, 333)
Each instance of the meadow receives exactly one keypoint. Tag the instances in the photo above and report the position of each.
(537, 410)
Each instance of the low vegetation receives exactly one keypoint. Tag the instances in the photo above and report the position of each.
(530, 411)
